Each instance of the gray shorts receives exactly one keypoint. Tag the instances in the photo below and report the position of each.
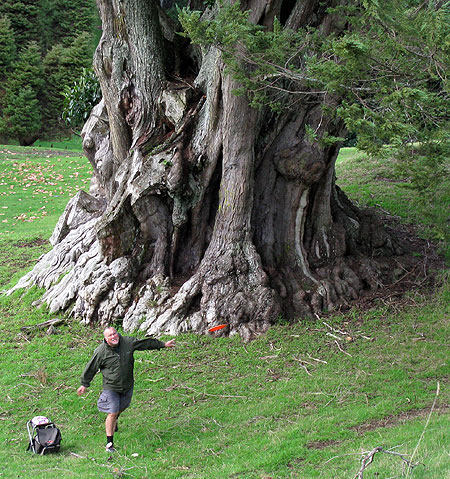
(113, 402)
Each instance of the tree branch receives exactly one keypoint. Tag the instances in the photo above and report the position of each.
(368, 459)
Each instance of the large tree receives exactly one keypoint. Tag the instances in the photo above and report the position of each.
(204, 209)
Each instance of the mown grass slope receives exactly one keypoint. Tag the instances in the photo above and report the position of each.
(309, 399)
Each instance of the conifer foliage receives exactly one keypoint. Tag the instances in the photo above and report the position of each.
(44, 46)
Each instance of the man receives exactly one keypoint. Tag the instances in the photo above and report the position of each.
(114, 359)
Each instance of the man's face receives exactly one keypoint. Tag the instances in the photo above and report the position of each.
(111, 337)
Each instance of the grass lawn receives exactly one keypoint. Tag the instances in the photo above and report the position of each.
(309, 399)
(375, 183)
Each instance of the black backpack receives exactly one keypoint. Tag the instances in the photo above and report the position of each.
(44, 436)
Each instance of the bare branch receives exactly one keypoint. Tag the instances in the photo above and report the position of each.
(341, 350)
(368, 459)
(301, 361)
(410, 466)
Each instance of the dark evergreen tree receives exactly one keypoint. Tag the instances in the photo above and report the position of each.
(62, 21)
(28, 70)
(21, 117)
(24, 16)
(21, 112)
(63, 32)
(7, 46)
(62, 67)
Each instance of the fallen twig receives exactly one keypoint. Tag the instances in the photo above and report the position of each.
(303, 361)
(333, 336)
(334, 329)
(154, 380)
(315, 359)
(77, 455)
(45, 324)
(438, 388)
(368, 458)
(303, 365)
(342, 351)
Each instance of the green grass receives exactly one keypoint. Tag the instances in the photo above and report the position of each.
(73, 143)
(292, 404)
(376, 183)
(35, 186)
(69, 143)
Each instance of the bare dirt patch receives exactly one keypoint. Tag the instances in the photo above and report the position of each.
(388, 421)
(397, 419)
(31, 244)
(322, 444)
(48, 153)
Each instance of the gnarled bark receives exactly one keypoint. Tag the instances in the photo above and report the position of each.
(204, 210)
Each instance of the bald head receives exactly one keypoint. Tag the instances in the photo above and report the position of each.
(111, 336)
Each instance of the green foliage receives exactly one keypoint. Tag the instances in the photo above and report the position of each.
(49, 21)
(24, 17)
(266, 62)
(7, 46)
(21, 116)
(79, 99)
(394, 85)
(62, 32)
(388, 65)
(63, 66)
(64, 21)
(27, 70)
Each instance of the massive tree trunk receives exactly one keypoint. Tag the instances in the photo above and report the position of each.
(204, 210)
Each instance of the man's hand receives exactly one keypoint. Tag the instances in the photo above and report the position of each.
(170, 344)
(81, 390)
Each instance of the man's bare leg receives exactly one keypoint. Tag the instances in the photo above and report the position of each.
(111, 422)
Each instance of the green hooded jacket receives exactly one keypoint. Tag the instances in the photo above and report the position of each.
(117, 363)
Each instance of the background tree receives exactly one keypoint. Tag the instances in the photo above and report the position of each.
(21, 117)
(24, 16)
(65, 20)
(7, 46)
(7, 55)
(63, 66)
(64, 33)
(206, 209)
(392, 81)
(80, 98)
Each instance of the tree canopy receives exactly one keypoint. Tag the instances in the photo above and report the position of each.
(388, 62)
